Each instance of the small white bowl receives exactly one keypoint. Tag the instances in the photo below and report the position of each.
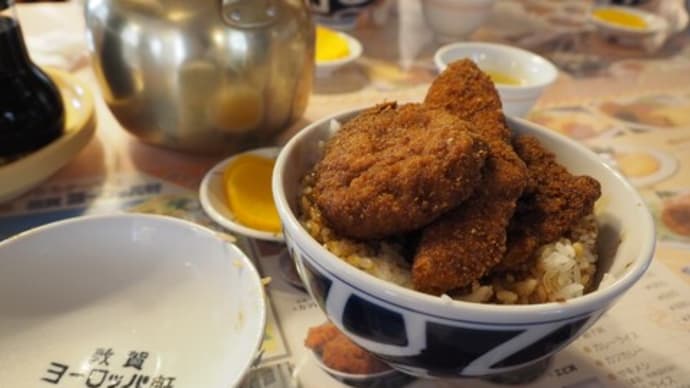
(535, 72)
(654, 22)
(324, 69)
(213, 199)
(131, 294)
(453, 20)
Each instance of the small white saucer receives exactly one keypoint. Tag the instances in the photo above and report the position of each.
(214, 203)
(326, 68)
(22, 175)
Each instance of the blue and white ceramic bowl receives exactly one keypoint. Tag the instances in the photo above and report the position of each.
(426, 335)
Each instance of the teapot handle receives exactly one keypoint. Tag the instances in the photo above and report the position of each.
(249, 13)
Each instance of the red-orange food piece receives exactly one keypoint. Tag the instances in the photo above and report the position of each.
(339, 353)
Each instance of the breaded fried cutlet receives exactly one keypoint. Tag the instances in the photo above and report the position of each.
(466, 243)
(462, 246)
(393, 169)
(464, 90)
(555, 203)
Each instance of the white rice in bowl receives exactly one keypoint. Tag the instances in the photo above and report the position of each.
(559, 271)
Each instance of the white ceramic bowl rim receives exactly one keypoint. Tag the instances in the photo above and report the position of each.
(476, 313)
(246, 365)
(549, 69)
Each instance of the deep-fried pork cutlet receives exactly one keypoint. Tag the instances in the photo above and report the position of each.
(464, 90)
(467, 242)
(461, 246)
(393, 169)
(554, 203)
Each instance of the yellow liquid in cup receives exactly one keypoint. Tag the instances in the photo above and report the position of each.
(503, 78)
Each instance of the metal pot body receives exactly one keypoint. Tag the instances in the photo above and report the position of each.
(204, 76)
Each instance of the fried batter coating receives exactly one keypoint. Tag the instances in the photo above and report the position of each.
(464, 90)
(556, 201)
(393, 169)
(469, 241)
(461, 246)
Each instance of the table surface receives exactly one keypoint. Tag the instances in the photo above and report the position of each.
(628, 104)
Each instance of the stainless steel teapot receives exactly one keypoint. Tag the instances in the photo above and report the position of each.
(205, 76)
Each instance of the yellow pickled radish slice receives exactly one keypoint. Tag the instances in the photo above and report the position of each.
(620, 18)
(330, 45)
(248, 192)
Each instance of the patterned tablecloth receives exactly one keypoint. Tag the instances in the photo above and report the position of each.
(630, 105)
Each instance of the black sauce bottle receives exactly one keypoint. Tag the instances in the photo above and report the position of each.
(31, 110)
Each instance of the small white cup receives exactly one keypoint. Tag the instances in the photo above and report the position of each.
(453, 20)
(534, 71)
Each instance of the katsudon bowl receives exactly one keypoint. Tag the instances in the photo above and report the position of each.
(431, 336)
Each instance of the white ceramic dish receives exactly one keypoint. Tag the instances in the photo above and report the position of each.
(576, 122)
(535, 72)
(410, 330)
(453, 20)
(22, 175)
(213, 201)
(654, 23)
(324, 69)
(670, 209)
(666, 164)
(634, 112)
(98, 296)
